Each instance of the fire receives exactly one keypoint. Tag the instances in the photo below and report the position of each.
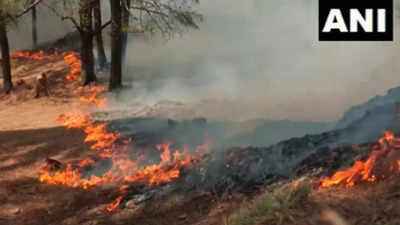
(169, 167)
(34, 56)
(93, 98)
(74, 120)
(115, 204)
(110, 145)
(73, 61)
(95, 133)
(75, 64)
(117, 201)
(69, 177)
(383, 162)
(86, 162)
(124, 170)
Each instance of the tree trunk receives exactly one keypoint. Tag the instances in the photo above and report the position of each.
(86, 32)
(125, 27)
(5, 61)
(116, 45)
(101, 54)
(34, 28)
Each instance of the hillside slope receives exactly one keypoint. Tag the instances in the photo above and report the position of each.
(357, 112)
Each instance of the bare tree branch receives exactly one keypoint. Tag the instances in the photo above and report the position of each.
(149, 10)
(95, 32)
(73, 20)
(167, 16)
(34, 4)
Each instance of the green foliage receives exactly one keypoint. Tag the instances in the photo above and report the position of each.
(278, 207)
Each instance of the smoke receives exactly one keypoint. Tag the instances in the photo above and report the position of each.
(50, 27)
(250, 59)
(263, 59)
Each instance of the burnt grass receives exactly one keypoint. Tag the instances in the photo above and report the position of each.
(206, 192)
(236, 170)
(251, 172)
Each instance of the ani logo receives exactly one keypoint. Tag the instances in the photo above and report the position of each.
(356, 20)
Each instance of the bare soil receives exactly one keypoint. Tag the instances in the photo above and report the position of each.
(29, 134)
(21, 110)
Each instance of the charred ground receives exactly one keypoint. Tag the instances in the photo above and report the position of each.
(207, 193)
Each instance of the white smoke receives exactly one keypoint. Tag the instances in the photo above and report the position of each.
(261, 57)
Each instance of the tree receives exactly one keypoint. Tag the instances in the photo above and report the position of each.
(10, 10)
(34, 27)
(5, 57)
(125, 28)
(154, 16)
(101, 54)
(86, 31)
(116, 45)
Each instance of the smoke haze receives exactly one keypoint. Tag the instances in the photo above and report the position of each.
(263, 60)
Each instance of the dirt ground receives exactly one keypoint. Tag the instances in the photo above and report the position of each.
(24, 200)
(20, 110)
(29, 135)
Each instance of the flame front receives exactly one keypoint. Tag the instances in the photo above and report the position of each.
(73, 61)
(40, 55)
(110, 145)
(383, 162)
(92, 97)
(123, 169)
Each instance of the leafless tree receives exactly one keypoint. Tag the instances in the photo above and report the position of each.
(10, 12)
(34, 26)
(166, 17)
(80, 13)
(101, 54)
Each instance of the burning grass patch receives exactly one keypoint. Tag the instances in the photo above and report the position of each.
(281, 206)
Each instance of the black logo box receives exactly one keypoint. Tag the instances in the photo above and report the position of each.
(345, 5)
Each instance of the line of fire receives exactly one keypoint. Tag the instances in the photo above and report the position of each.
(198, 112)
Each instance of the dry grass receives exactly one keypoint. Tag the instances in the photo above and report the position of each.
(282, 206)
(373, 204)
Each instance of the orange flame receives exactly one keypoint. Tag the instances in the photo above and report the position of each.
(69, 177)
(73, 61)
(75, 64)
(92, 97)
(34, 56)
(382, 163)
(96, 133)
(111, 145)
(113, 206)
(86, 162)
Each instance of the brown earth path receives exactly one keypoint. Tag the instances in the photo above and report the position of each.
(29, 134)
